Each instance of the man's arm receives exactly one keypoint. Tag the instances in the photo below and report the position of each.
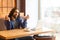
(7, 22)
(25, 17)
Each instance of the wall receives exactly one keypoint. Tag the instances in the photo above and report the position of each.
(32, 11)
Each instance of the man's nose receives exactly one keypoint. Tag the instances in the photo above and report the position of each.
(16, 13)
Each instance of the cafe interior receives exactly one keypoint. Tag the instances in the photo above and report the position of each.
(41, 24)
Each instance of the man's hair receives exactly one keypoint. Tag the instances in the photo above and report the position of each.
(11, 13)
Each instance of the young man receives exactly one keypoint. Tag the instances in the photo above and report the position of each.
(14, 20)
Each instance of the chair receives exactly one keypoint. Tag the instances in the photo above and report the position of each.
(2, 25)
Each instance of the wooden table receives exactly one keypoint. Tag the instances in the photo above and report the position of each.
(16, 33)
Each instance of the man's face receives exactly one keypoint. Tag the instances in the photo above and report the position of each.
(16, 13)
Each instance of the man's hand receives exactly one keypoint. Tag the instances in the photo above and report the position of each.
(7, 18)
(26, 17)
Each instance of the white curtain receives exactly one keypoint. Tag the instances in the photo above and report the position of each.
(32, 11)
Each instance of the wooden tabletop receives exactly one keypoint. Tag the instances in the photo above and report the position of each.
(16, 33)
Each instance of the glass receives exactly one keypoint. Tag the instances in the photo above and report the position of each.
(0, 10)
(13, 3)
(9, 9)
(4, 10)
(0, 3)
(5, 3)
(10, 3)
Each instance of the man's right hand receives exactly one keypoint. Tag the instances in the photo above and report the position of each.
(7, 18)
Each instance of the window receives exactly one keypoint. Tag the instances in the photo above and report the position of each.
(6, 6)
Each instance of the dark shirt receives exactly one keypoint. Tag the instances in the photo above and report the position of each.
(19, 22)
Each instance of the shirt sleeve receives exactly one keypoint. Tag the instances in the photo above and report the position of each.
(23, 23)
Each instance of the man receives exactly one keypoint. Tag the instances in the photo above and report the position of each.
(14, 20)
